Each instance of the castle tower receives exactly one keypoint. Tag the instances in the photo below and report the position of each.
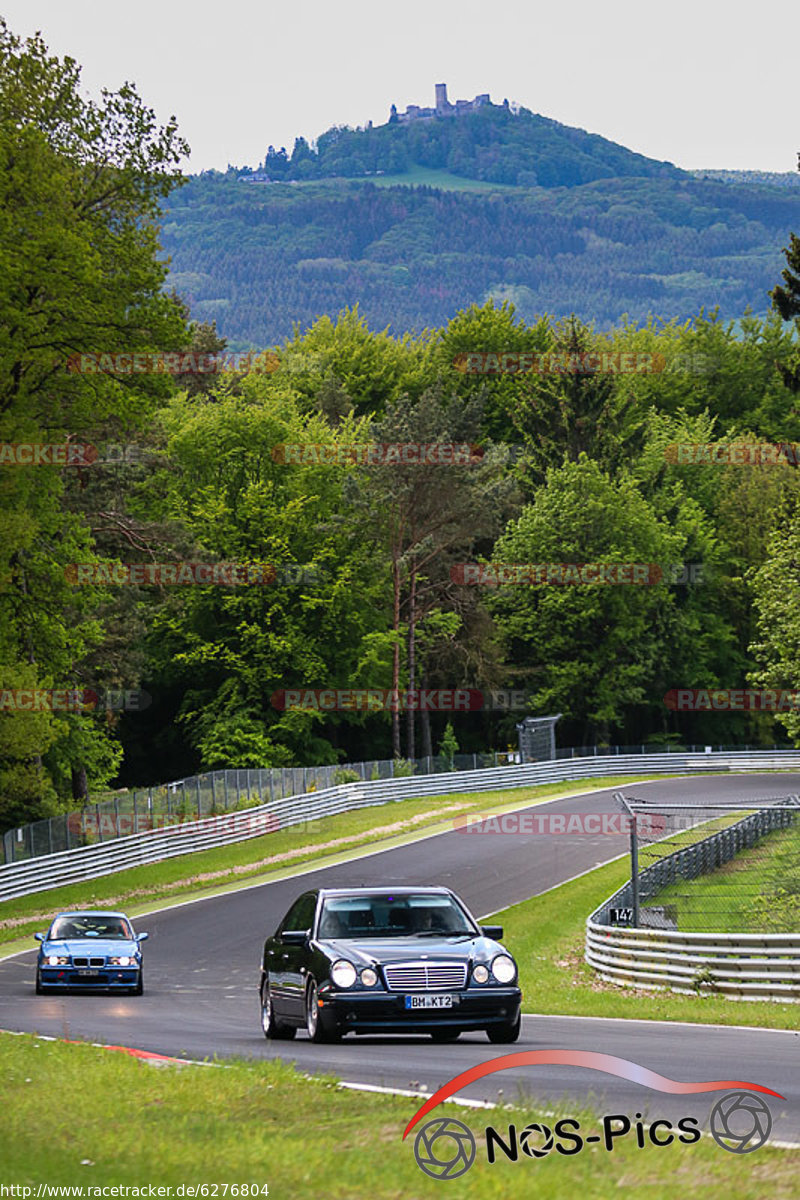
(442, 102)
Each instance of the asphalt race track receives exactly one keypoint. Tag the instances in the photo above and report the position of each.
(202, 967)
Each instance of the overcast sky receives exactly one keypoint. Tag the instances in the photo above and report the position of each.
(702, 83)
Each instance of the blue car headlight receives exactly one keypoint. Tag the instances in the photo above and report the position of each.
(122, 960)
(57, 960)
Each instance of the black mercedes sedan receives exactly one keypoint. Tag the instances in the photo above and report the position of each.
(387, 960)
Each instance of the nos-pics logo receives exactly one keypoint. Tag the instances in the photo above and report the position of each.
(445, 1148)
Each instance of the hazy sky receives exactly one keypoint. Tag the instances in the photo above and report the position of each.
(703, 83)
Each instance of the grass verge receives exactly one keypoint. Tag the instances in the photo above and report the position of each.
(75, 1115)
(322, 841)
(546, 935)
(758, 891)
(439, 177)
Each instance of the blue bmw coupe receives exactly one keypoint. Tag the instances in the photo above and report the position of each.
(90, 950)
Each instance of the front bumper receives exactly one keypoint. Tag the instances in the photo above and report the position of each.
(383, 1011)
(107, 978)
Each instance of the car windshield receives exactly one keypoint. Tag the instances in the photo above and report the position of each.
(384, 915)
(70, 928)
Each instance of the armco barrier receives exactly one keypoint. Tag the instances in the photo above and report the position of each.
(744, 966)
(212, 793)
(90, 862)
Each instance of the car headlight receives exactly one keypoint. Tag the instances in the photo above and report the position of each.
(343, 973)
(503, 969)
(57, 960)
(481, 973)
(369, 977)
(121, 960)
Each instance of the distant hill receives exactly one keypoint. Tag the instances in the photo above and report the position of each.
(259, 259)
(493, 144)
(455, 219)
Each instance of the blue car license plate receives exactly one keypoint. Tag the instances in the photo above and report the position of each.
(83, 971)
(431, 1001)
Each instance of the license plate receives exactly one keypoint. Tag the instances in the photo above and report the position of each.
(431, 1001)
(83, 971)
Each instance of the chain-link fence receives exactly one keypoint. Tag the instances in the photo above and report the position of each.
(217, 792)
(724, 868)
(210, 795)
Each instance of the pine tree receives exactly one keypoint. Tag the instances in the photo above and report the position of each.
(786, 299)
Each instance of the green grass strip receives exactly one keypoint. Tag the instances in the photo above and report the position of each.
(758, 891)
(75, 1115)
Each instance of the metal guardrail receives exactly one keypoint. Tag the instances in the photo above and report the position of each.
(90, 862)
(746, 966)
(228, 790)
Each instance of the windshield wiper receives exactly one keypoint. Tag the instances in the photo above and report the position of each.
(441, 933)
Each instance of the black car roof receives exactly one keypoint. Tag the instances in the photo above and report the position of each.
(402, 890)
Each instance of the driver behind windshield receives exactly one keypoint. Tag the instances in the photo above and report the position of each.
(392, 917)
(67, 929)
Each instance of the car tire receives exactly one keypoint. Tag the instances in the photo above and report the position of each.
(39, 988)
(272, 1029)
(139, 989)
(445, 1035)
(507, 1032)
(316, 1027)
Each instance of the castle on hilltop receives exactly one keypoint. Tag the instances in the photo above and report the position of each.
(442, 107)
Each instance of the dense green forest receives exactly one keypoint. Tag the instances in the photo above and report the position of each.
(355, 567)
(259, 258)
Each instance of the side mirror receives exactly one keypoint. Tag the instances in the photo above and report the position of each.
(142, 937)
(39, 937)
(492, 931)
(295, 937)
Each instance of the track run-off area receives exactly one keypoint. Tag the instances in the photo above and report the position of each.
(203, 957)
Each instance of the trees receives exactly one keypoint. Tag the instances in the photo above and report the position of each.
(414, 256)
(370, 369)
(489, 329)
(786, 300)
(218, 654)
(426, 513)
(776, 585)
(375, 601)
(599, 653)
(571, 409)
(80, 185)
(776, 645)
